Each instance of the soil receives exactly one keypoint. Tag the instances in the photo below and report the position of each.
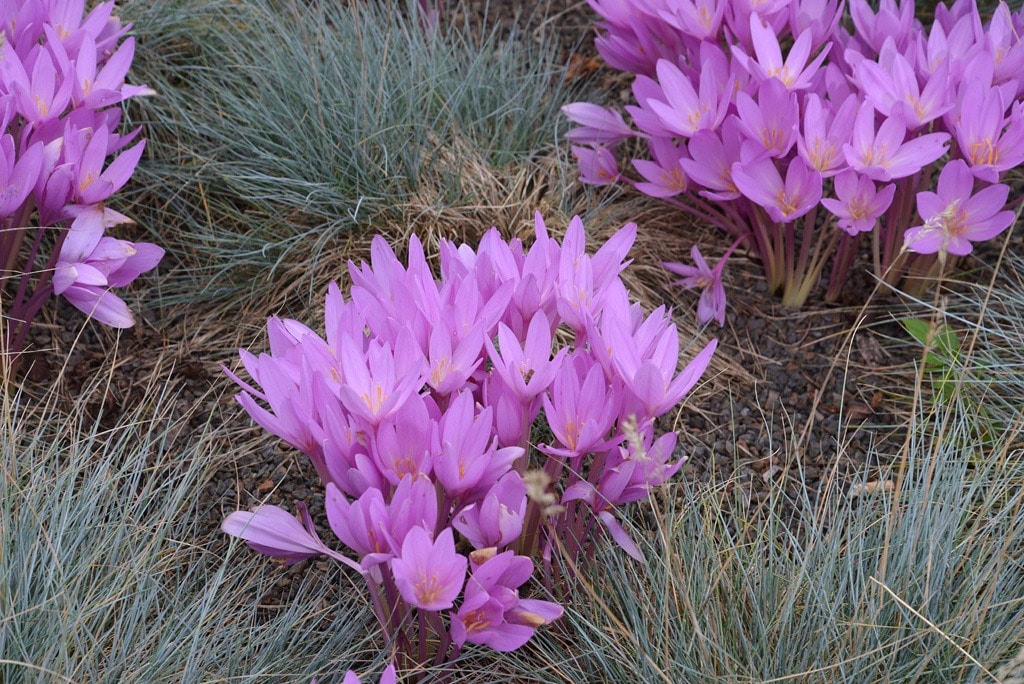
(803, 401)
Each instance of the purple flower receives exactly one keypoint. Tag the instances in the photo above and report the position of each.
(894, 91)
(886, 155)
(492, 613)
(858, 203)
(685, 111)
(990, 142)
(597, 165)
(717, 154)
(664, 176)
(597, 125)
(580, 407)
(527, 369)
(388, 676)
(954, 218)
(711, 305)
(17, 178)
(771, 121)
(761, 182)
(91, 263)
(429, 574)
(274, 532)
(795, 73)
(825, 132)
(497, 518)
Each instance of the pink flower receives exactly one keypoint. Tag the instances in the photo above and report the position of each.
(388, 676)
(886, 155)
(497, 518)
(274, 532)
(761, 182)
(597, 165)
(527, 369)
(597, 125)
(794, 73)
(492, 613)
(825, 132)
(580, 407)
(990, 142)
(894, 91)
(91, 263)
(858, 203)
(954, 218)
(685, 110)
(711, 305)
(429, 574)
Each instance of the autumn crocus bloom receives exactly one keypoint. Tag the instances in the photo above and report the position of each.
(429, 574)
(597, 125)
(597, 165)
(91, 263)
(894, 90)
(785, 201)
(274, 532)
(580, 407)
(497, 518)
(17, 178)
(858, 203)
(700, 276)
(990, 142)
(825, 132)
(388, 676)
(717, 152)
(795, 73)
(686, 110)
(886, 155)
(492, 613)
(954, 218)
(527, 369)
(772, 120)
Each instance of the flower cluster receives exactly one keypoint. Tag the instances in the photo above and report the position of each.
(856, 121)
(417, 409)
(61, 83)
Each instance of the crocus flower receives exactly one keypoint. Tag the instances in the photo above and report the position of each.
(794, 73)
(379, 381)
(858, 203)
(430, 573)
(274, 532)
(17, 178)
(91, 263)
(894, 91)
(388, 676)
(664, 177)
(597, 165)
(492, 613)
(685, 110)
(954, 218)
(497, 518)
(597, 125)
(824, 133)
(886, 155)
(701, 19)
(772, 120)
(717, 153)
(88, 150)
(990, 142)
(784, 201)
(700, 276)
(580, 407)
(527, 369)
